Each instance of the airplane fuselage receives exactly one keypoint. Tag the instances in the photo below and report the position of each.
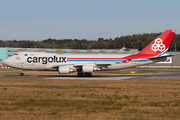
(46, 61)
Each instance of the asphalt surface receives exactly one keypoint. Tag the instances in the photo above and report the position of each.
(167, 75)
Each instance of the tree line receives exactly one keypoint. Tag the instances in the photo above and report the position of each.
(135, 41)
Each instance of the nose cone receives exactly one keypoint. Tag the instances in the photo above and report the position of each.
(4, 62)
(7, 62)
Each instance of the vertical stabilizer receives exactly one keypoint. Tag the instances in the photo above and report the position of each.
(160, 45)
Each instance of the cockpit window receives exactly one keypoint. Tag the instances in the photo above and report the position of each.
(10, 55)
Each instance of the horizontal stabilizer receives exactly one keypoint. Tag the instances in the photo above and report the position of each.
(160, 57)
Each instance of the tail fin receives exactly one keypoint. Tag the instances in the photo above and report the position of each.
(160, 45)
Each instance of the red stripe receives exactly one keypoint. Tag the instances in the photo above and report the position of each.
(5, 67)
(95, 58)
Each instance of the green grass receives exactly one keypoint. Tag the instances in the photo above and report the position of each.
(175, 94)
(83, 95)
(116, 97)
(89, 99)
(127, 97)
(116, 91)
(59, 94)
(77, 104)
(139, 117)
(5, 88)
(136, 97)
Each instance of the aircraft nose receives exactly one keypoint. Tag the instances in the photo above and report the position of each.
(6, 62)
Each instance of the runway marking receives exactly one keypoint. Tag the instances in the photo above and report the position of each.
(93, 78)
(35, 76)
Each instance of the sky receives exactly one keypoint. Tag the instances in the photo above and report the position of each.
(85, 19)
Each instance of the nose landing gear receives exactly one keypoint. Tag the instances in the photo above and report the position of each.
(21, 73)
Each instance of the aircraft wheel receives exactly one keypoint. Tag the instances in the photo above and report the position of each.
(78, 74)
(21, 74)
(86, 74)
(82, 74)
(90, 74)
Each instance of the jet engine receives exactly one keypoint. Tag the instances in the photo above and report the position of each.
(65, 70)
(89, 69)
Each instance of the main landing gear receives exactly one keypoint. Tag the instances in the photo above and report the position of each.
(21, 73)
(82, 74)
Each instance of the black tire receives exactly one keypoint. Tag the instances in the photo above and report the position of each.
(21, 74)
(82, 74)
(86, 74)
(90, 74)
(79, 74)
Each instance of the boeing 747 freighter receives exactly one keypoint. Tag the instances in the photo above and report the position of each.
(86, 64)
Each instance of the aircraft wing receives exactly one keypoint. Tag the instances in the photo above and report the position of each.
(103, 64)
(79, 65)
(96, 64)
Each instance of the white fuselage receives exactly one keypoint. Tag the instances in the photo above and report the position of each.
(51, 61)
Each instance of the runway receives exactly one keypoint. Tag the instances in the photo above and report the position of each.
(164, 75)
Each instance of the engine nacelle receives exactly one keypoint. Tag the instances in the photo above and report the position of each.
(65, 70)
(87, 68)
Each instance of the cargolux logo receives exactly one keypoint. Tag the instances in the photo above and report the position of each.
(158, 45)
(45, 60)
